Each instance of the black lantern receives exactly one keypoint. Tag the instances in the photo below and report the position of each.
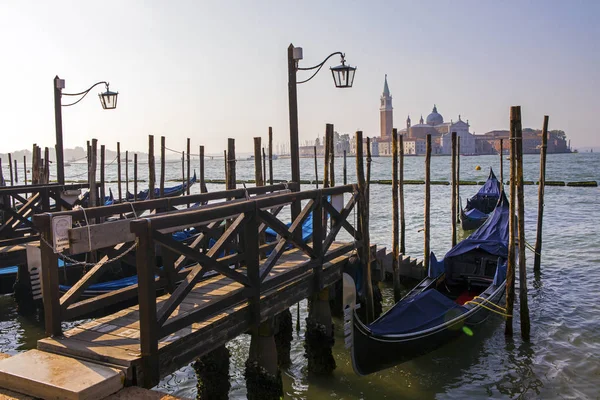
(343, 75)
(108, 99)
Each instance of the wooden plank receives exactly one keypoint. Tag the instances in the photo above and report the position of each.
(102, 235)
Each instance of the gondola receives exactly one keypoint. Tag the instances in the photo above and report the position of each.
(459, 290)
(481, 205)
(174, 191)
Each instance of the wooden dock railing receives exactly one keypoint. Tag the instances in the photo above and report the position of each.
(248, 219)
(114, 238)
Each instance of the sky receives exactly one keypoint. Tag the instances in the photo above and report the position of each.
(212, 70)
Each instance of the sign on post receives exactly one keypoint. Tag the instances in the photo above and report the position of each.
(60, 232)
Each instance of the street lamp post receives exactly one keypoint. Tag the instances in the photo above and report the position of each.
(343, 77)
(108, 100)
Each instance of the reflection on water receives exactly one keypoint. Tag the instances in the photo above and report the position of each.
(563, 358)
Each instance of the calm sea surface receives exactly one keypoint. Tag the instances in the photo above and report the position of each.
(561, 361)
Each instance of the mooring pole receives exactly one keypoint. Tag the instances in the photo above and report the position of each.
(126, 173)
(524, 307)
(270, 155)
(501, 165)
(345, 170)
(162, 166)
(102, 182)
(363, 214)
(187, 191)
(538, 240)
(395, 228)
(369, 159)
(24, 169)
(510, 269)
(264, 165)
(231, 182)
(427, 200)
(10, 168)
(16, 172)
(182, 172)
(457, 172)
(258, 179)
(202, 183)
(119, 189)
(326, 162)
(401, 194)
(151, 170)
(92, 172)
(135, 176)
(316, 168)
(226, 172)
(331, 156)
(454, 206)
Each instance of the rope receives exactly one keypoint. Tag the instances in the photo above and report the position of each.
(484, 300)
(88, 229)
(531, 248)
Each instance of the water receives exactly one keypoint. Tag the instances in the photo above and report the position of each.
(563, 357)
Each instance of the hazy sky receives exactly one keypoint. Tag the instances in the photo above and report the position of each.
(213, 70)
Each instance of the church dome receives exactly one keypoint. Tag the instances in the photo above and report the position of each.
(434, 118)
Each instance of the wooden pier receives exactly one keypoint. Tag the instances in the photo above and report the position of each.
(197, 312)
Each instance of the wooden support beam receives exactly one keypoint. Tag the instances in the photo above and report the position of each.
(49, 275)
(538, 241)
(395, 221)
(363, 215)
(426, 248)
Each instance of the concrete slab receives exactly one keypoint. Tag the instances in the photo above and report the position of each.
(52, 376)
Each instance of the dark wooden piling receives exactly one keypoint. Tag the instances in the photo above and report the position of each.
(395, 221)
(264, 164)
(258, 178)
(331, 156)
(126, 172)
(119, 189)
(202, 182)
(458, 173)
(454, 206)
(401, 194)
(182, 171)
(501, 164)
(364, 252)
(102, 172)
(538, 240)
(16, 172)
(34, 165)
(510, 269)
(369, 159)
(135, 177)
(92, 173)
(189, 149)
(270, 155)
(46, 165)
(10, 169)
(316, 168)
(524, 307)
(231, 178)
(24, 169)
(226, 173)
(345, 170)
(151, 167)
(427, 201)
(162, 166)
(326, 162)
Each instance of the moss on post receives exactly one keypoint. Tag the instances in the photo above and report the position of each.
(212, 371)
(263, 377)
(283, 338)
(319, 340)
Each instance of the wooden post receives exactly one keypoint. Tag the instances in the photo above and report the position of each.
(524, 307)
(34, 165)
(326, 158)
(126, 173)
(264, 165)
(187, 191)
(401, 194)
(202, 183)
(395, 238)
(10, 168)
(231, 180)
(47, 166)
(92, 171)
(538, 241)
(258, 179)
(331, 156)
(270, 155)
(226, 172)
(151, 167)
(183, 172)
(368, 196)
(162, 166)
(316, 168)
(501, 165)
(119, 189)
(16, 172)
(454, 198)
(49, 275)
(24, 169)
(345, 170)
(135, 188)
(510, 269)
(364, 252)
(102, 164)
(458, 172)
(427, 200)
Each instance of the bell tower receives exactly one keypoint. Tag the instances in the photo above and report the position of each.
(386, 111)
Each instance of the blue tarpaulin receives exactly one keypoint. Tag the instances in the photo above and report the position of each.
(485, 199)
